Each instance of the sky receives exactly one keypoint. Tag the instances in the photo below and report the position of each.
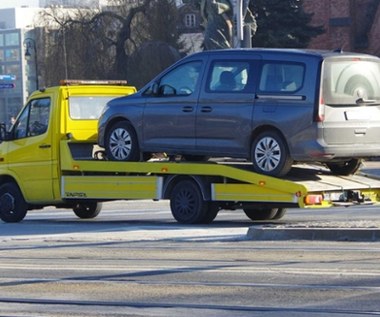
(18, 3)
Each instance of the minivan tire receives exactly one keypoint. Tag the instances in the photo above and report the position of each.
(121, 143)
(270, 154)
(345, 167)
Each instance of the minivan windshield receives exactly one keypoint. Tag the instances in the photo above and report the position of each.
(350, 81)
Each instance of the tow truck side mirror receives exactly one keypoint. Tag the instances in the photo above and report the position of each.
(3, 132)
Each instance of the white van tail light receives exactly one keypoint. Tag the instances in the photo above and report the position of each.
(320, 117)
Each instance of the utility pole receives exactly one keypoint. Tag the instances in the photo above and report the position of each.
(244, 30)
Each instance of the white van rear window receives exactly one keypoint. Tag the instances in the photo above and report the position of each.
(346, 81)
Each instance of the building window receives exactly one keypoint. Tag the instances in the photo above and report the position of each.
(190, 20)
(12, 70)
(12, 39)
(12, 55)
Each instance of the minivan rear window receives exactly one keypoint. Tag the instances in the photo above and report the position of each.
(347, 81)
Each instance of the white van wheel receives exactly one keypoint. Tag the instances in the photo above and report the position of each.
(270, 155)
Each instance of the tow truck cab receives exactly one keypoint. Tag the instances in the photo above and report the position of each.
(30, 149)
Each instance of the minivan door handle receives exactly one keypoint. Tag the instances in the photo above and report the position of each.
(187, 109)
(206, 109)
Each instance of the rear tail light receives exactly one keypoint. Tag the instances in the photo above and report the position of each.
(321, 111)
(313, 200)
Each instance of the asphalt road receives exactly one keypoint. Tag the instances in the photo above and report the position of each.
(135, 260)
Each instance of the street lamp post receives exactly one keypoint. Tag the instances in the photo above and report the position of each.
(30, 44)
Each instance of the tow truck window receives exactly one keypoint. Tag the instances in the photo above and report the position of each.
(33, 120)
(87, 108)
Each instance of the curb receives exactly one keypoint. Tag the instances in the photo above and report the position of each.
(325, 234)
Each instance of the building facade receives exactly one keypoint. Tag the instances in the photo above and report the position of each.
(18, 72)
(352, 25)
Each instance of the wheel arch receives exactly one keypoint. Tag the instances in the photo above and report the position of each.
(11, 179)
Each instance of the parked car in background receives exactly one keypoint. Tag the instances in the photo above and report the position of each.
(274, 107)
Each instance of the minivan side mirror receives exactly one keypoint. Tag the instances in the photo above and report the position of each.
(155, 89)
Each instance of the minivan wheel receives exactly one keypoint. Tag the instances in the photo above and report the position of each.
(345, 167)
(270, 154)
(121, 143)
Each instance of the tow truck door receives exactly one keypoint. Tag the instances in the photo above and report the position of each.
(29, 152)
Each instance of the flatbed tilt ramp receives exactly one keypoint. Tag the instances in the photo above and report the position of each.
(197, 191)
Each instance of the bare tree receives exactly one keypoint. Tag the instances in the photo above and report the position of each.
(90, 44)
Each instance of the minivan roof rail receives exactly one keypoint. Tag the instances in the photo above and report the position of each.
(338, 50)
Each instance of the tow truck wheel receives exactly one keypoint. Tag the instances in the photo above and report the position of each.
(261, 213)
(187, 204)
(121, 143)
(13, 207)
(280, 213)
(87, 210)
(212, 212)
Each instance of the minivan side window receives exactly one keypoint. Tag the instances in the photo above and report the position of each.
(281, 77)
(228, 76)
(181, 81)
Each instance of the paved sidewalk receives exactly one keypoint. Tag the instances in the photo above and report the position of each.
(324, 230)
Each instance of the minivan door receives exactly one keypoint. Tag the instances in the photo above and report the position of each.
(169, 115)
(225, 108)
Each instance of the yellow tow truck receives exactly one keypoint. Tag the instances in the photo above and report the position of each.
(49, 157)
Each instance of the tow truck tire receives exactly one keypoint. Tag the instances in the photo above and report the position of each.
(187, 204)
(121, 143)
(270, 155)
(212, 212)
(344, 168)
(260, 213)
(279, 214)
(87, 210)
(13, 207)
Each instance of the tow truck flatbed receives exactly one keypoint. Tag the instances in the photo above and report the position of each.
(221, 186)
